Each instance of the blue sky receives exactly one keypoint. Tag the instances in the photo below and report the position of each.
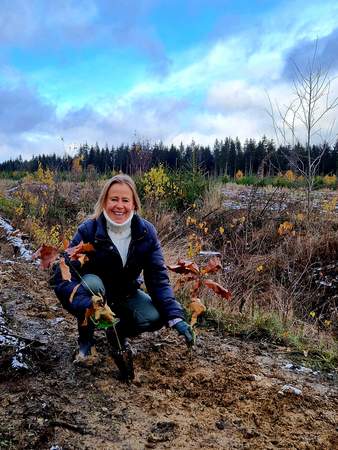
(110, 71)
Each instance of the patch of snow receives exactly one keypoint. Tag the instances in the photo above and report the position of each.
(16, 241)
(17, 362)
(232, 205)
(299, 369)
(56, 320)
(6, 339)
(2, 320)
(207, 253)
(288, 388)
(12, 189)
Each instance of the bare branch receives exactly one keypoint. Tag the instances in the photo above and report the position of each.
(306, 118)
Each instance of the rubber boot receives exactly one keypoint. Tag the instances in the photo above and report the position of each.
(87, 354)
(122, 355)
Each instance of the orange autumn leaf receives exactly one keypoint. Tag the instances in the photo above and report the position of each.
(195, 287)
(65, 271)
(197, 308)
(47, 255)
(214, 264)
(72, 295)
(182, 281)
(88, 247)
(75, 252)
(184, 266)
(65, 244)
(83, 259)
(217, 288)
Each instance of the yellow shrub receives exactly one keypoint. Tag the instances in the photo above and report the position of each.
(330, 205)
(330, 180)
(76, 165)
(41, 176)
(289, 175)
(44, 176)
(285, 228)
(43, 235)
(19, 210)
(239, 175)
(156, 182)
(194, 245)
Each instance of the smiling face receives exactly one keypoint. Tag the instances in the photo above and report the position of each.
(119, 204)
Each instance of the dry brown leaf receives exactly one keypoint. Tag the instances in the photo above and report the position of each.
(75, 252)
(105, 313)
(214, 265)
(83, 259)
(184, 267)
(65, 244)
(195, 287)
(97, 301)
(99, 310)
(47, 255)
(65, 271)
(197, 308)
(217, 288)
(184, 280)
(74, 292)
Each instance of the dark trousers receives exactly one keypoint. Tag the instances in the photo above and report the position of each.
(137, 314)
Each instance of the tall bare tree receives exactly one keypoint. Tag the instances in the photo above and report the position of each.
(306, 120)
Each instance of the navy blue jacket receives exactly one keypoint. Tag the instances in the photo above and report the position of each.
(144, 254)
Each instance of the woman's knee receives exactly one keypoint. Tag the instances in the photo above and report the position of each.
(145, 314)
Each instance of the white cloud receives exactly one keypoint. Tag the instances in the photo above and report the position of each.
(208, 127)
(235, 95)
(215, 89)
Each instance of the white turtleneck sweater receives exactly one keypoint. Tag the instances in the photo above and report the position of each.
(120, 234)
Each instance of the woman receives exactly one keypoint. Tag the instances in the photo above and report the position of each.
(125, 245)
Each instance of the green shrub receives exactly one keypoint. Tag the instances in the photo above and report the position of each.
(174, 190)
(13, 175)
(191, 185)
(247, 180)
(318, 182)
(283, 182)
(7, 206)
(225, 179)
(253, 180)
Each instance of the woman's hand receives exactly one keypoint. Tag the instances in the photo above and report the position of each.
(186, 331)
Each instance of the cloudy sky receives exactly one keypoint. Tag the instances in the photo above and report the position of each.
(112, 71)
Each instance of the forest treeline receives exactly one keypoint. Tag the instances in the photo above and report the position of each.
(225, 157)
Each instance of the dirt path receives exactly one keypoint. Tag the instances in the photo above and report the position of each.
(223, 396)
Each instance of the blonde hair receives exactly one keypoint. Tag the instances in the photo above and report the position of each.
(122, 179)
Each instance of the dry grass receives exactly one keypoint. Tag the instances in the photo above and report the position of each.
(5, 184)
(270, 274)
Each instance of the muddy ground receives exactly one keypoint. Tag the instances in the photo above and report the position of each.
(226, 394)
